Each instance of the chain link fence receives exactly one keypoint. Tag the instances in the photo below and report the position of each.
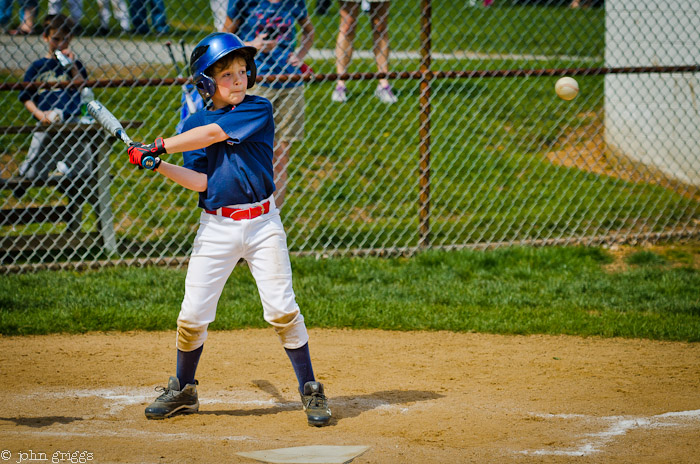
(472, 147)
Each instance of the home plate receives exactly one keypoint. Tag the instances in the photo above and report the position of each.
(317, 454)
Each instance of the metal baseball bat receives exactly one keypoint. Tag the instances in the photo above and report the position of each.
(107, 120)
(184, 53)
(191, 107)
(169, 46)
(112, 125)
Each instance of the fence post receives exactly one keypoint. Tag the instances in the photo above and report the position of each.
(424, 129)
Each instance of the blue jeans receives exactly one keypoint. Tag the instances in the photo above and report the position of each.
(139, 11)
(6, 10)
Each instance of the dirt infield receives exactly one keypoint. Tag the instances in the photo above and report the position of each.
(412, 397)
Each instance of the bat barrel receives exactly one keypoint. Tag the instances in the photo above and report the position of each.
(93, 108)
(107, 120)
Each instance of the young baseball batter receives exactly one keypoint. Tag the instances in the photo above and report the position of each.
(228, 154)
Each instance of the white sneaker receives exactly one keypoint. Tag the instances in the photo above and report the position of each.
(339, 94)
(385, 95)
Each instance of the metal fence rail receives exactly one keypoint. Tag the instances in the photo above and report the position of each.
(476, 151)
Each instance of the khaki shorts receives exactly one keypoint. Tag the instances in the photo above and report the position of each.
(288, 110)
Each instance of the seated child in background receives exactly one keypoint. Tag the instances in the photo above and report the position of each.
(53, 104)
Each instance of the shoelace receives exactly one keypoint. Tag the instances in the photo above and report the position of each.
(167, 393)
(317, 399)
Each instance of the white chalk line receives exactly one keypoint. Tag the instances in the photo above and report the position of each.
(119, 398)
(617, 426)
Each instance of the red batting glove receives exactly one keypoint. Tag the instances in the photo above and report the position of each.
(146, 156)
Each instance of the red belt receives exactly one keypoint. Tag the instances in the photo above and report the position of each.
(240, 214)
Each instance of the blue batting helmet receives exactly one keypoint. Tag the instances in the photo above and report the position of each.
(210, 50)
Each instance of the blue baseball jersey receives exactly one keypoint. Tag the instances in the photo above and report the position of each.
(50, 70)
(238, 10)
(278, 20)
(239, 169)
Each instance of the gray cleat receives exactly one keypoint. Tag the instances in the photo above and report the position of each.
(173, 400)
(339, 95)
(385, 95)
(315, 404)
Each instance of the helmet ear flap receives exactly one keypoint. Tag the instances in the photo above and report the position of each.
(205, 86)
(252, 72)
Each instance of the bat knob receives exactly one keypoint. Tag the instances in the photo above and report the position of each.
(150, 162)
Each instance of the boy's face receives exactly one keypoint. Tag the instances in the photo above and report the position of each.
(231, 84)
(57, 40)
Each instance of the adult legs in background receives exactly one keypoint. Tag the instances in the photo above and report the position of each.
(75, 8)
(138, 12)
(344, 44)
(379, 14)
(5, 14)
(105, 16)
(158, 19)
(121, 12)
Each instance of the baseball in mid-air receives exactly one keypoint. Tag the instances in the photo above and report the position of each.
(566, 88)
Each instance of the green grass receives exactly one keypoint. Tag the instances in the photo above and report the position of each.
(516, 290)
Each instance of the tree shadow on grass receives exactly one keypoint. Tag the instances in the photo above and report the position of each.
(343, 407)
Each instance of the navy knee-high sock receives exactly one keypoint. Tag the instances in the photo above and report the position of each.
(187, 365)
(301, 362)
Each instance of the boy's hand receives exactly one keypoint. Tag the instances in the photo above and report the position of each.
(294, 60)
(263, 46)
(48, 117)
(69, 54)
(146, 156)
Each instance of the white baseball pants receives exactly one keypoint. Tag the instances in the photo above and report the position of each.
(219, 244)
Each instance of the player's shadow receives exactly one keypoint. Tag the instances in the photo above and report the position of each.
(343, 407)
(44, 421)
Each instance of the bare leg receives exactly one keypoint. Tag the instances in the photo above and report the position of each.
(28, 21)
(281, 160)
(379, 14)
(346, 36)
